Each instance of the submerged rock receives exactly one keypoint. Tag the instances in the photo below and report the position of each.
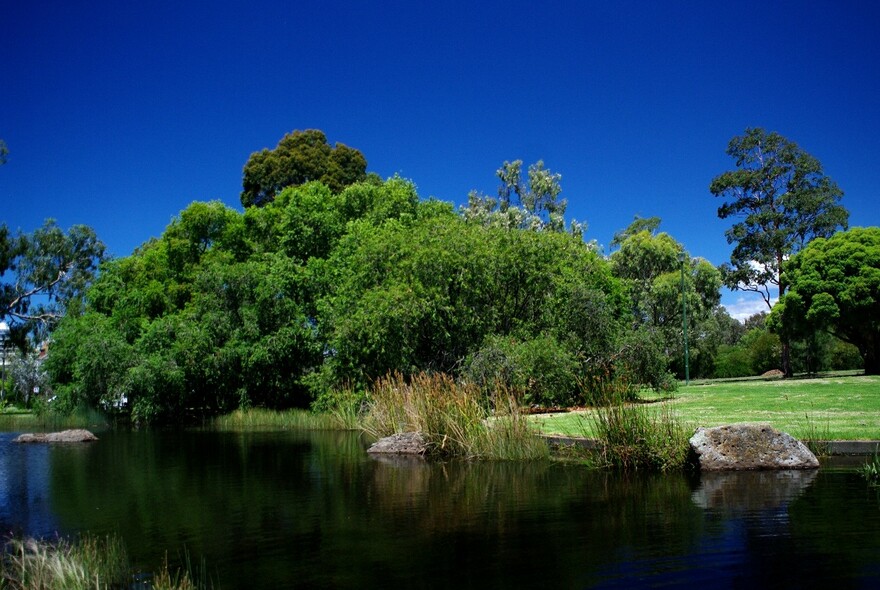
(406, 443)
(749, 447)
(65, 436)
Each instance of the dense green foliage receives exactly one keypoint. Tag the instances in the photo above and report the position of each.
(319, 291)
(835, 287)
(649, 265)
(315, 290)
(300, 157)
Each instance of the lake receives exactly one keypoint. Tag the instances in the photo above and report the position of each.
(297, 510)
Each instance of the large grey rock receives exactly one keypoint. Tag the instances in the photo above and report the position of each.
(406, 443)
(749, 446)
(65, 436)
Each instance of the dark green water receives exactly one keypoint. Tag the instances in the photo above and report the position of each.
(311, 510)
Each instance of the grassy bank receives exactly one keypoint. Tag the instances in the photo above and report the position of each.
(834, 407)
(86, 564)
(262, 419)
(14, 420)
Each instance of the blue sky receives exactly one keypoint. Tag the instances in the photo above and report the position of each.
(119, 114)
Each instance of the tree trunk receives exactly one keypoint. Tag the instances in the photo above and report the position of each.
(871, 358)
(786, 359)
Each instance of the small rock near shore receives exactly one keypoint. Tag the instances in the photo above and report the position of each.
(405, 443)
(65, 436)
(744, 447)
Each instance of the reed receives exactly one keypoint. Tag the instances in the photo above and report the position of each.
(263, 419)
(82, 417)
(815, 436)
(91, 562)
(631, 437)
(454, 419)
(871, 470)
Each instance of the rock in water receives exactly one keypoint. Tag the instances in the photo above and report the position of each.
(66, 436)
(406, 443)
(749, 446)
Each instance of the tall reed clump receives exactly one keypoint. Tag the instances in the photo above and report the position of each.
(90, 563)
(452, 417)
(635, 436)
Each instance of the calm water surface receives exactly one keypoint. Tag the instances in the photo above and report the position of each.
(307, 510)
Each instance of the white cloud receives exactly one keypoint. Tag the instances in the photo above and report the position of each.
(746, 306)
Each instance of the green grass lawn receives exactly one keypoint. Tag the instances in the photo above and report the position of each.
(838, 407)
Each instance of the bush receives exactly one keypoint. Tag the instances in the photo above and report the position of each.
(544, 370)
(732, 361)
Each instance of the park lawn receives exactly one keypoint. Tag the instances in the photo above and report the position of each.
(828, 408)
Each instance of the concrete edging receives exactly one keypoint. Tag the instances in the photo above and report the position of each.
(835, 447)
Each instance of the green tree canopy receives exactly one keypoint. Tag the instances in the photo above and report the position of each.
(540, 207)
(835, 286)
(42, 272)
(782, 199)
(300, 157)
(649, 265)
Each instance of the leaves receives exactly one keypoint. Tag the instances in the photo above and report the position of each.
(49, 269)
(299, 158)
(835, 286)
(782, 200)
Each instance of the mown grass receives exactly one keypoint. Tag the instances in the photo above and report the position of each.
(838, 407)
(453, 418)
(86, 564)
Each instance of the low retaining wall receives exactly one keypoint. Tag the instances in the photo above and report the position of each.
(834, 447)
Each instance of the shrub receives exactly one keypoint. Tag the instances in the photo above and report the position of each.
(732, 361)
(544, 370)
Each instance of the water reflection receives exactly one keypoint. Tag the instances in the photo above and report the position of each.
(24, 489)
(312, 509)
(749, 491)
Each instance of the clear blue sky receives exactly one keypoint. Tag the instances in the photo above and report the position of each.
(119, 114)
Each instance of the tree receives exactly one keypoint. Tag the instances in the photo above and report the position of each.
(783, 200)
(300, 157)
(649, 264)
(834, 285)
(48, 269)
(639, 224)
(538, 196)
